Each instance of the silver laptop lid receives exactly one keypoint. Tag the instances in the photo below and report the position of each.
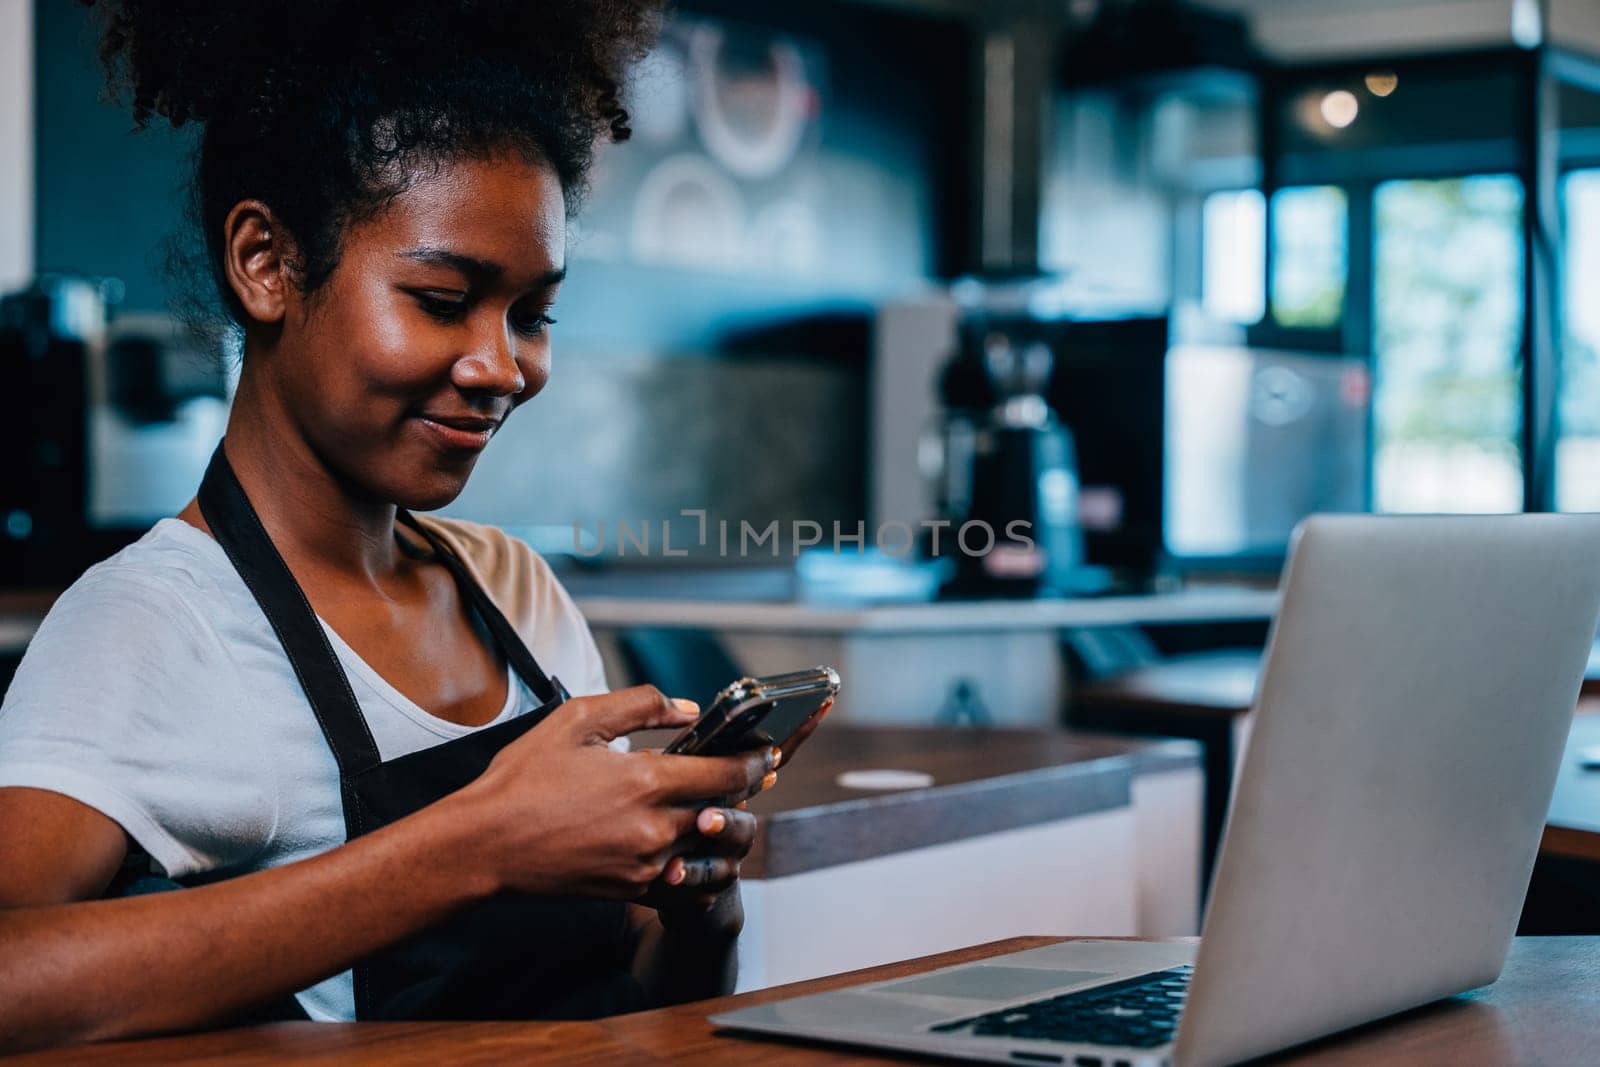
(1418, 689)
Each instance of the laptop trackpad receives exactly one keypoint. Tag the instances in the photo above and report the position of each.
(990, 983)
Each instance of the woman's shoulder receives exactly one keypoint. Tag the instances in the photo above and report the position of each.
(514, 575)
(161, 582)
(129, 700)
(501, 562)
(488, 548)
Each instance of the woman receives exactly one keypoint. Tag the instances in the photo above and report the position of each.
(339, 727)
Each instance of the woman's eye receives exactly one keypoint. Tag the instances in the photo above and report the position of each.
(442, 308)
(532, 326)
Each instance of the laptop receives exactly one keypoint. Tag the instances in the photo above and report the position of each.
(1416, 696)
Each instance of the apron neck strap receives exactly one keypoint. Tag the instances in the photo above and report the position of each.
(237, 528)
(546, 688)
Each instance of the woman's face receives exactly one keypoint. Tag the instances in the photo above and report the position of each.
(433, 326)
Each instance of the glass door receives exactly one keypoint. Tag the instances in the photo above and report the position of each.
(1578, 449)
(1447, 307)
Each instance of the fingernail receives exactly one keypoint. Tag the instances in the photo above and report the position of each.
(675, 873)
(769, 781)
(688, 707)
(776, 758)
(712, 821)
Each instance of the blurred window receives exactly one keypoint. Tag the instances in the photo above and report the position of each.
(1256, 440)
(1578, 449)
(1448, 321)
(1233, 243)
(1310, 253)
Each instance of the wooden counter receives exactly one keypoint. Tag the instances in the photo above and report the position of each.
(21, 611)
(1545, 1009)
(1024, 830)
(1573, 828)
(982, 782)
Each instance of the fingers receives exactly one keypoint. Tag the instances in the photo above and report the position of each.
(689, 778)
(768, 780)
(726, 835)
(608, 716)
(684, 823)
(710, 873)
(726, 831)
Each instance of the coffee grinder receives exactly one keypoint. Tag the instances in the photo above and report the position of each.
(1007, 486)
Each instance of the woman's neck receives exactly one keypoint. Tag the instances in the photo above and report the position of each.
(313, 515)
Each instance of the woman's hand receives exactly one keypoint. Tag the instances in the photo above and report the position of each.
(698, 891)
(560, 812)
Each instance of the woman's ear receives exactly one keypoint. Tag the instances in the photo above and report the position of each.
(255, 259)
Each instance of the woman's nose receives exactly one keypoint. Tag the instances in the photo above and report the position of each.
(491, 367)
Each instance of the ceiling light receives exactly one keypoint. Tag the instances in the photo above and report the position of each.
(1382, 82)
(1339, 108)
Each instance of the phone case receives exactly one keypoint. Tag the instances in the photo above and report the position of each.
(743, 705)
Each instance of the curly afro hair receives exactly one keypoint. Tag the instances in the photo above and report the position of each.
(323, 110)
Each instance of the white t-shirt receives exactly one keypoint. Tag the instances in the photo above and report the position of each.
(156, 693)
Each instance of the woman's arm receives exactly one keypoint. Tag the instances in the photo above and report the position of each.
(556, 812)
(171, 961)
(677, 963)
(686, 930)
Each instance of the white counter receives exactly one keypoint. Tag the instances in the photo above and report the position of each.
(1217, 604)
(997, 662)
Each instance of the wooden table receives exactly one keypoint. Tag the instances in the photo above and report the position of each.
(1564, 893)
(21, 611)
(1545, 1009)
(1573, 828)
(1209, 700)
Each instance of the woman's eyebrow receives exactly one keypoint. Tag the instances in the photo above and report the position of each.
(475, 269)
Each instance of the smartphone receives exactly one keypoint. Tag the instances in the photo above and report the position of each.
(757, 713)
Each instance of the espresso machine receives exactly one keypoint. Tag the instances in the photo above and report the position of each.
(46, 334)
(1006, 491)
(107, 422)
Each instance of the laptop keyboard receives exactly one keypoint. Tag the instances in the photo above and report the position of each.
(1139, 1012)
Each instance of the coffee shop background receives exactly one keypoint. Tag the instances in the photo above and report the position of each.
(802, 171)
(1282, 257)
(1158, 279)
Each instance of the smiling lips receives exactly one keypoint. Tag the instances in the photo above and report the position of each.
(461, 431)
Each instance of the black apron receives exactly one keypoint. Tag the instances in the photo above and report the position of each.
(516, 956)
